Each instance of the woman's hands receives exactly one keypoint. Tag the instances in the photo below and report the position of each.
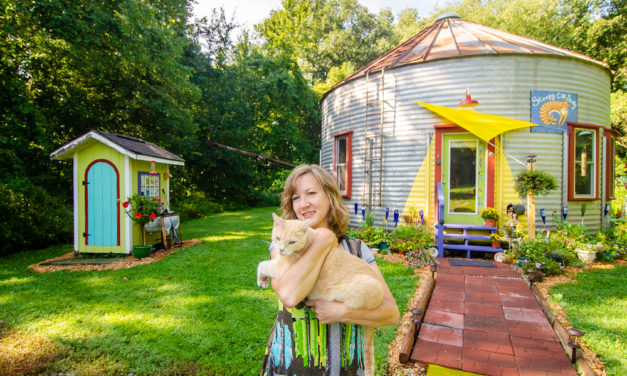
(385, 314)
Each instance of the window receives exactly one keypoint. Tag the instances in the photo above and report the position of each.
(583, 171)
(148, 184)
(342, 170)
(610, 156)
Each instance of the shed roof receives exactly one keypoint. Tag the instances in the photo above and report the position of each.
(451, 37)
(135, 148)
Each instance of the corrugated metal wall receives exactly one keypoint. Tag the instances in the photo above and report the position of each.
(501, 84)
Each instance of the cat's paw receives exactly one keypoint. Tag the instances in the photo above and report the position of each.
(263, 281)
(262, 275)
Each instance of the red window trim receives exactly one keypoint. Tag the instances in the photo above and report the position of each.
(608, 134)
(571, 159)
(117, 174)
(441, 129)
(349, 161)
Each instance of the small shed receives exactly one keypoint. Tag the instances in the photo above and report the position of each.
(107, 169)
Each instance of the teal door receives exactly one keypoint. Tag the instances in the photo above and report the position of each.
(102, 209)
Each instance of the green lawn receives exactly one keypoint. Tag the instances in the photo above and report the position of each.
(198, 311)
(597, 304)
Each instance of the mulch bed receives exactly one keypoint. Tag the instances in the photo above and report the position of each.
(396, 368)
(558, 312)
(123, 263)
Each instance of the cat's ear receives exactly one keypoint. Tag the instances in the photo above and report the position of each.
(277, 220)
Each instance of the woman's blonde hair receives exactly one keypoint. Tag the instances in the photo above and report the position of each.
(338, 216)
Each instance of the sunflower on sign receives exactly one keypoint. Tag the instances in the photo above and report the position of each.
(142, 209)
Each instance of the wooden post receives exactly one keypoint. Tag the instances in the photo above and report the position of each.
(143, 235)
(531, 204)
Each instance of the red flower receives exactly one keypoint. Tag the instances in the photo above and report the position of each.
(153, 216)
(138, 215)
(125, 204)
(159, 200)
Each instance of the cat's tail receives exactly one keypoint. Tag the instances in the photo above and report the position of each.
(368, 351)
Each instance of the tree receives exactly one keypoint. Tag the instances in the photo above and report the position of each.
(322, 34)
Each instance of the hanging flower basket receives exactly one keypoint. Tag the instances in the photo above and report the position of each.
(539, 183)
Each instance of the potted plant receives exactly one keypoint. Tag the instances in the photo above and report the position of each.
(495, 238)
(585, 253)
(537, 182)
(490, 216)
(142, 209)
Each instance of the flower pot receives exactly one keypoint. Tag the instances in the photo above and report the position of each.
(585, 255)
(141, 251)
(490, 222)
(496, 244)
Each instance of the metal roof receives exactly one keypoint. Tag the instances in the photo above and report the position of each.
(452, 37)
(131, 146)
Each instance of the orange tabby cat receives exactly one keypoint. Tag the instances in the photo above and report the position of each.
(359, 289)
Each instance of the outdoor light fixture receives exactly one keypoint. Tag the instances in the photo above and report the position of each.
(415, 320)
(434, 268)
(468, 101)
(573, 344)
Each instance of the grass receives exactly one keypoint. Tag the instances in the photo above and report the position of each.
(597, 304)
(198, 311)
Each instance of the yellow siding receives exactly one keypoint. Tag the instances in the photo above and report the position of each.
(85, 157)
(504, 191)
(144, 166)
(421, 195)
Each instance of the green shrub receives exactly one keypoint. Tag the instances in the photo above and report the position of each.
(32, 219)
(372, 236)
(195, 205)
(535, 255)
(407, 238)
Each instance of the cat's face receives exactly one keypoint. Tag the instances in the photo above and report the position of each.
(289, 236)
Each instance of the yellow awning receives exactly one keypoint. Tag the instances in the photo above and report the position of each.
(484, 126)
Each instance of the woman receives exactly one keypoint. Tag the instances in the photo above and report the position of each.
(318, 337)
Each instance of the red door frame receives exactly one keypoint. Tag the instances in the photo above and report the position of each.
(117, 183)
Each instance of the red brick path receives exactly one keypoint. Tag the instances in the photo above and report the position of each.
(487, 321)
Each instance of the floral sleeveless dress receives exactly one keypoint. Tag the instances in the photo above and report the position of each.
(300, 345)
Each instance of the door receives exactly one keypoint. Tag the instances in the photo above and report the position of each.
(102, 207)
(463, 177)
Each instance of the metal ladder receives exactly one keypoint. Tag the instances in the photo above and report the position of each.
(373, 132)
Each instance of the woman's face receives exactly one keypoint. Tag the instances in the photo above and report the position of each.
(310, 203)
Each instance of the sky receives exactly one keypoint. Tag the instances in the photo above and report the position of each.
(250, 12)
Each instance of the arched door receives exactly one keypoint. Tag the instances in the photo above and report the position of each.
(102, 208)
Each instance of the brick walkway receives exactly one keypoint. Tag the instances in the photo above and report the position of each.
(487, 321)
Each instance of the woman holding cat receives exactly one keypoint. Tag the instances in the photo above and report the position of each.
(317, 337)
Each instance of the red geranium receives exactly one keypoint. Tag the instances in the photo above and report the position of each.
(153, 216)
(125, 204)
(159, 200)
(138, 215)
